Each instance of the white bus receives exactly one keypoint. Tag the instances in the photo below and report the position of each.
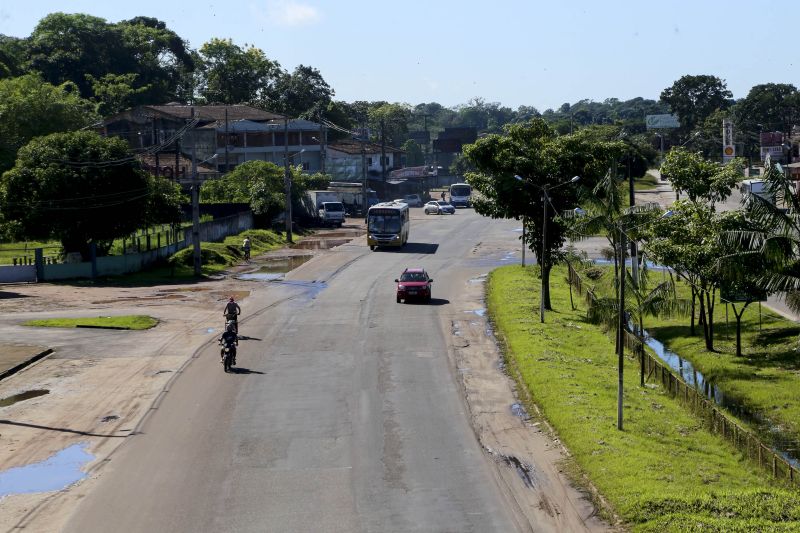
(388, 224)
(461, 195)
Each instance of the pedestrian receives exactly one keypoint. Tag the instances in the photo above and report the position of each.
(443, 196)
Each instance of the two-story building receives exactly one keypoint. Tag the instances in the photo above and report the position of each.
(218, 136)
(349, 159)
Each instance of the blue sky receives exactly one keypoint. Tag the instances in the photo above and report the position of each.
(509, 51)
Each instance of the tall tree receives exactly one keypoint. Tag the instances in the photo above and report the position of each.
(542, 159)
(81, 188)
(231, 74)
(83, 49)
(304, 93)
(769, 107)
(693, 98)
(30, 107)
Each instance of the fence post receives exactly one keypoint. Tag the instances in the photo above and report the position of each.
(39, 253)
(93, 258)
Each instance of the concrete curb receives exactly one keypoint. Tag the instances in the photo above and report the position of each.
(13, 370)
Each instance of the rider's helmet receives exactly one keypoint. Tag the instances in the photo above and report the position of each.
(230, 299)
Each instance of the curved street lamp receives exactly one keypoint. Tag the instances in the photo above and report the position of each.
(545, 202)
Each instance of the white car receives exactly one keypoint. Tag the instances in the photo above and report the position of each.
(439, 208)
(413, 200)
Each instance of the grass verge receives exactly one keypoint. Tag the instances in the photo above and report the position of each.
(134, 322)
(664, 471)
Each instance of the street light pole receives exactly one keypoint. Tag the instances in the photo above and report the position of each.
(287, 180)
(621, 329)
(545, 202)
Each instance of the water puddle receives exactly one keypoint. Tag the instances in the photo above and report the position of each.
(281, 265)
(493, 261)
(54, 473)
(22, 396)
(783, 445)
(479, 279)
(480, 312)
(320, 244)
(261, 277)
(210, 330)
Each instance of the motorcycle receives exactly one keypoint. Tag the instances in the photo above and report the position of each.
(228, 354)
(231, 320)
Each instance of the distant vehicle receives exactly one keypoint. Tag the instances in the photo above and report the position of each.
(439, 208)
(461, 195)
(332, 213)
(414, 283)
(352, 195)
(413, 200)
(388, 224)
(756, 187)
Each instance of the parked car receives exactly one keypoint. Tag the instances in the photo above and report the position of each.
(413, 200)
(414, 283)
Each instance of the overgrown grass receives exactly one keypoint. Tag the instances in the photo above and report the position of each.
(134, 322)
(664, 471)
(217, 256)
(645, 183)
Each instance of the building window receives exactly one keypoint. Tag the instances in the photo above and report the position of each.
(369, 161)
(310, 138)
(306, 165)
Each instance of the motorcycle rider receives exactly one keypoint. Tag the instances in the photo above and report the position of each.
(229, 337)
(232, 312)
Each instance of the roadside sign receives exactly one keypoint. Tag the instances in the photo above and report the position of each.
(755, 295)
(655, 122)
(728, 146)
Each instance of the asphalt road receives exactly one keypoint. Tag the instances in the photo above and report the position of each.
(344, 413)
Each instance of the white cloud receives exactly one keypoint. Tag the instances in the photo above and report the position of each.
(289, 13)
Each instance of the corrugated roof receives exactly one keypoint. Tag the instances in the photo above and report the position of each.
(216, 112)
(354, 147)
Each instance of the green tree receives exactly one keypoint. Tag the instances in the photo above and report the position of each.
(700, 179)
(30, 107)
(230, 74)
(542, 159)
(81, 188)
(391, 120)
(84, 49)
(414, 154)
(261, 184)
(12, 56)
(693, 98)
(304, 93)
(769, 107)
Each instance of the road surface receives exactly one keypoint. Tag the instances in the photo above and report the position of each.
(345, 413)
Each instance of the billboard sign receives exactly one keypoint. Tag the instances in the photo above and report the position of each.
(658, 122)
(728, 146)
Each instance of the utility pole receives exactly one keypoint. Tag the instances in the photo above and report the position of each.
(383, 155)
(621, 326)
(195, 208)
(364, 175)
(322, 155)
(287, 180)
(227, 141)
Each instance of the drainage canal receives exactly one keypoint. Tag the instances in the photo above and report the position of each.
(782, 444)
